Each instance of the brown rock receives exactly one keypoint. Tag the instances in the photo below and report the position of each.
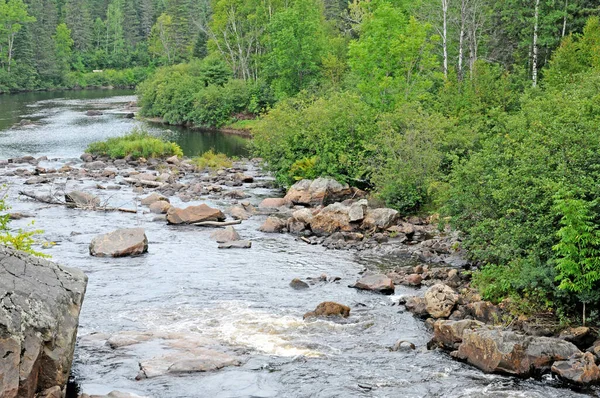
(229, 234)
(580, 368)
(380, 218)
(272, 225)
(160, 207)
(332, 218)
(484, 311)
(329, 309)
(239, 213)
(376, 283)
(81, 199)
(440, 300)
(416, 306)
(322, 191)
(582, 336)
(120, 243)
(273, 203)
(505, 351)
(152, 198)
(413, 280)
(298, 284)
(194, 214)
(449, 334)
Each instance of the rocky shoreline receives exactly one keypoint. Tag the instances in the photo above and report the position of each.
(321, 212)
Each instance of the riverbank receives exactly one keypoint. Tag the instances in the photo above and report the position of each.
(229, 130)
(186, 290)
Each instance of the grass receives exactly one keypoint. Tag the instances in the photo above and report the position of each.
(212, 160)
(243, 125)
(136, 144)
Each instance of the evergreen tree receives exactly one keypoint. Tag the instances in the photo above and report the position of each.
(78, 20)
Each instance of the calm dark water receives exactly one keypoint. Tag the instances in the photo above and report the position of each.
(239, 299)
(63, 130)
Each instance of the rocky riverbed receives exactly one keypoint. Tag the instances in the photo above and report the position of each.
(218, 279)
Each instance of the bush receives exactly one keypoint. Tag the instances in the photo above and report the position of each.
(124, 78)
(306, 137)
(136, 144)
(212, 160)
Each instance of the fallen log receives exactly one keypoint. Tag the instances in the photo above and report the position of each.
(217, 223)
(44, 199)
(53, 201)
(148, 183)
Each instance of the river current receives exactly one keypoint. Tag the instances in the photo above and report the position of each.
(238, 299)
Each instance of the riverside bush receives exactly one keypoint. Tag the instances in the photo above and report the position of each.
(137, 144)
(212, 160)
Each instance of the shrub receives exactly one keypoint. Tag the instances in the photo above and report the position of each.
(212, 160)
(137, 144)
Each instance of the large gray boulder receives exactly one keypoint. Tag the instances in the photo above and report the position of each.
(382, 218)
(440, 300)
(503, 351)
(120, 243)
(39, 313)
(321, 191)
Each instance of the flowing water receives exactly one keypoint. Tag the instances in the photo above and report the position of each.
(239, 300)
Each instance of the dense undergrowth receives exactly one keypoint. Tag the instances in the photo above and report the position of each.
(137, 144)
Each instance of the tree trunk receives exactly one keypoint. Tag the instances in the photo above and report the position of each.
(461, 38)
(564, 29)
(445, 35)
(534, 59)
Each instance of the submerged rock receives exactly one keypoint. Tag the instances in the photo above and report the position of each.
(329, 309)
(199, 360)
(298, 284)
(194, 214)
(93, 112)
(120, 243)
(376, 283)
(503, 351)
(39, 312)
(238, 244)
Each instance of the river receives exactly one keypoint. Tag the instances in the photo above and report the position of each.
(240, 300)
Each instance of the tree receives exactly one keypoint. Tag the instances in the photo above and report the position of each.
(393, 59)
(115, 43)
(296, 43)
(162, 39)
(578, 249)
(64, 46)
(78, 20)
(13, 15)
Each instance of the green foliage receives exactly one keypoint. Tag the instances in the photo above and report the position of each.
(19, 239)
(136, 144)
(328, 136)
(212, 160)
(578, 248)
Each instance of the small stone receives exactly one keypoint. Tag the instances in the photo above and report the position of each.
(273, 225)
(238, 244)
(160, 207)
(298, 284)
(229, 234)
(329, 309)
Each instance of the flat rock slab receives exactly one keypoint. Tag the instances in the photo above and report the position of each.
(194, 214)
(120, 243)
(376, 283)
(239, 244)
(40, 304)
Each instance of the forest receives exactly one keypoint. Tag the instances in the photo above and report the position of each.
(484, 114)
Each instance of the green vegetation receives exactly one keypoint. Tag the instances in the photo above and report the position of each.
(212, 160)
(136, 144)
(19, 239)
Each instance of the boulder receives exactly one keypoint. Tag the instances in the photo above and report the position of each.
(382, 218)
(272, 225)
(173, 160)
(413, 279)
(120, 243)
(96, 165)
(416, 306)
(449, 334)
(194, 214)
(273, 203)
(503, 351)
(239, 213)
(378, 283)
(329, 309)
(40, 304)
(580, 369)
(583, 336)
(298, 284)
(229, 234)
(87, 157)
(484, 311)
(440, 300)
(153, 197)
(358, 210)
(303, 215)
(81, 199)
(322, 191)
(332, 218)
(160, 207)
(238, 244)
